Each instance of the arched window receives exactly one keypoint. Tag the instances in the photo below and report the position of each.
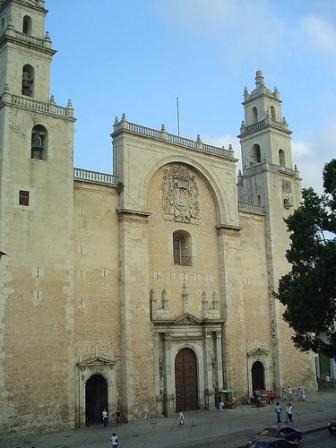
(273, 116)
(27, 25)
(39, 143)
(282, 159)
(256, 154)
(255, 115)
(182, 248)
(28, 80)
(258, 199)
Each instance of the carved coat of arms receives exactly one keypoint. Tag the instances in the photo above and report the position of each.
(180, 195)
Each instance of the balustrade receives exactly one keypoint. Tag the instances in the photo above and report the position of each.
(23, 37)
(35, 105)
(94, 176)
(246, 129)
(250, 208)
(174, 139)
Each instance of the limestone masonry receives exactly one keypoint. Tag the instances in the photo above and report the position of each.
(144, 292)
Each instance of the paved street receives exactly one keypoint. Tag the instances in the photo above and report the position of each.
(320, 439)
(229, 429)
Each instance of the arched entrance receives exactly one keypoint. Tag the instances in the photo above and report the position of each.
(95, 399)
(258, 376)
(186, 386)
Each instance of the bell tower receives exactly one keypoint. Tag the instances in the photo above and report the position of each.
(269, 180)
(36, 227)
(26, 49)
(264, 133)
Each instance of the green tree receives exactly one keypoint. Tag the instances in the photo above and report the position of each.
(309, 290)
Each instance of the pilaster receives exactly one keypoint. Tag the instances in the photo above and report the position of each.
(138, 377)
(232, 309)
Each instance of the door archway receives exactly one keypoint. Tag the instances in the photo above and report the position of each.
(186, 386)
(96, 399)
(258, 376)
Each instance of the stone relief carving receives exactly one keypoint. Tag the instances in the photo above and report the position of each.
(185, 298)
(164, 300)
(180, 195)
(286, 186)
(258, 351)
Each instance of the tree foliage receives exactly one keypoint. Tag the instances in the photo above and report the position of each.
(309, 290)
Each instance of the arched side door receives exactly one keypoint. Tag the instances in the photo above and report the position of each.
(96, 399)
(186, 385)
(258, 376)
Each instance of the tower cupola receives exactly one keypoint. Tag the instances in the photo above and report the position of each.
(264, 132)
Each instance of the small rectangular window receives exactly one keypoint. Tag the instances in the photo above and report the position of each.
(23, 197)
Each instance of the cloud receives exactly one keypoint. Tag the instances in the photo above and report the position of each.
(228, 24)
(300, 149)
(320, 34)
(311, 155)
(224, 140)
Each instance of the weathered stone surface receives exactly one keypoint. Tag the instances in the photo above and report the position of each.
(115, 276)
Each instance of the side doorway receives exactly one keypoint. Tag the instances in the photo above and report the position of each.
(258, 376)
(96, 399)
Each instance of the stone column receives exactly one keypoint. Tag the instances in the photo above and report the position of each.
(158, 391)
(219, 364)
(169, 393)
(209, 400)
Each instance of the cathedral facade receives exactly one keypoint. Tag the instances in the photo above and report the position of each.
(147, 291)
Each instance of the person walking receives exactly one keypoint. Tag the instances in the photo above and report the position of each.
(284, 394)
(289, 413)
(180, 418)
(105, 417)
(114, 440)
(278, 412)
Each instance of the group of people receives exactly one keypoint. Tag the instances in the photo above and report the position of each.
(288, 393)
(288, 413)
(261, 397)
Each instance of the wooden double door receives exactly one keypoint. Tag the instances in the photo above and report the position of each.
(186, 386)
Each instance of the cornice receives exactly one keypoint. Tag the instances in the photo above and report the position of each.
(228, 227)
(5, 3)
(136, 213)
(253, 97)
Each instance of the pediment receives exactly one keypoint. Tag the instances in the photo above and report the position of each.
(97, 361)
(258, 351)
(187, 319)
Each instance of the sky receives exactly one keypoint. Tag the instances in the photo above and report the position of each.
(137, 56)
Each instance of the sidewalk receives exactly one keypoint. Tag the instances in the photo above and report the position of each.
(230, 428)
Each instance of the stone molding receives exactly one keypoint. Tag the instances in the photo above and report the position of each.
(187, 319)
(223, 229)
(132, 213)
(258, 351)
(38, 6)
(97, 361)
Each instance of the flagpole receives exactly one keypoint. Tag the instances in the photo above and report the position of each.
(177, 116)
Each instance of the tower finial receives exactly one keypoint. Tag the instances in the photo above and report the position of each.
(259, 79)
